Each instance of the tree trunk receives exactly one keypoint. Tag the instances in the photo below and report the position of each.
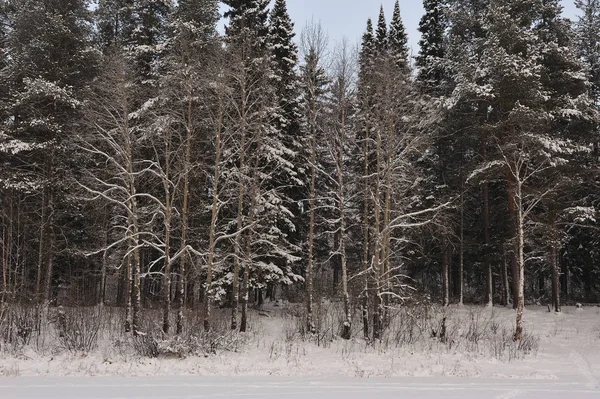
(4, 264)
(127, 293)
(50, 251)
(505, 282)
(512, 214)
(167, 269)
(41, 248)
(555, 270)
(347, 326)
(489, 296)
(366, 235)
(446, 275)
(213, 221)
(310, 325)
(377, 245)
(461, 261)
(254, 194)
(520, 277)
(238, 255)
(181, 283)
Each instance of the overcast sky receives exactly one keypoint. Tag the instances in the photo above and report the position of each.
(348, 17)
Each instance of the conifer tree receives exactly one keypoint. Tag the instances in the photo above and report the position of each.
(46, 92)
(288, 122)
(267, 254)
(431, 46)
(363, 134)
(314, 84)
(115, 21)
(398, 40)
(381, 33)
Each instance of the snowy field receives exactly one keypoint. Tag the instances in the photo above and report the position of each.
(274, 362)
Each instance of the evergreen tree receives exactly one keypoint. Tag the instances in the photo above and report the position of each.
(49, 67)
(432, 27)
(248, 14)
(587, 42)
(288, 121)
(149, 32)
(115, 21)
(364, 124)
(398, 40)
(381, 33)
(267, 255)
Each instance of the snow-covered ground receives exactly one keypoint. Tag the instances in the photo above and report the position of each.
(274, 363)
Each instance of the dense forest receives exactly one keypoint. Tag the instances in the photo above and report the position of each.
(150, 162)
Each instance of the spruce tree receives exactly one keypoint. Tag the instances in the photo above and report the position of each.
(587, 42)
(149, 32)
(381, 33)
(431, 53)
(572, 118)
(288, 120)
(364, 125)
(115, 21)
(398, 40)
(265, 251)
(49, 67)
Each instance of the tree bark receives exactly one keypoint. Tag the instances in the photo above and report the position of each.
(555, 270)
(377, 244)
(505, 282)
(347, 325)
(213, 221)
(181, 283)
(102, 296)
(489, 296)
(310, 325)
(512, 213)
(446, 275)
(50, 250)
(520, 258)
(366, 237)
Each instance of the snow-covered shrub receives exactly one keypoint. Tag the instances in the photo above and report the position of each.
(17, 326)
(145, 345)
(195, 341)
(78, 328)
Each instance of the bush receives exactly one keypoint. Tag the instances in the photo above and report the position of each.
(78, 328)
(18, 325)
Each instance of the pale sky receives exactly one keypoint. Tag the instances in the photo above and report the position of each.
(349, 17)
